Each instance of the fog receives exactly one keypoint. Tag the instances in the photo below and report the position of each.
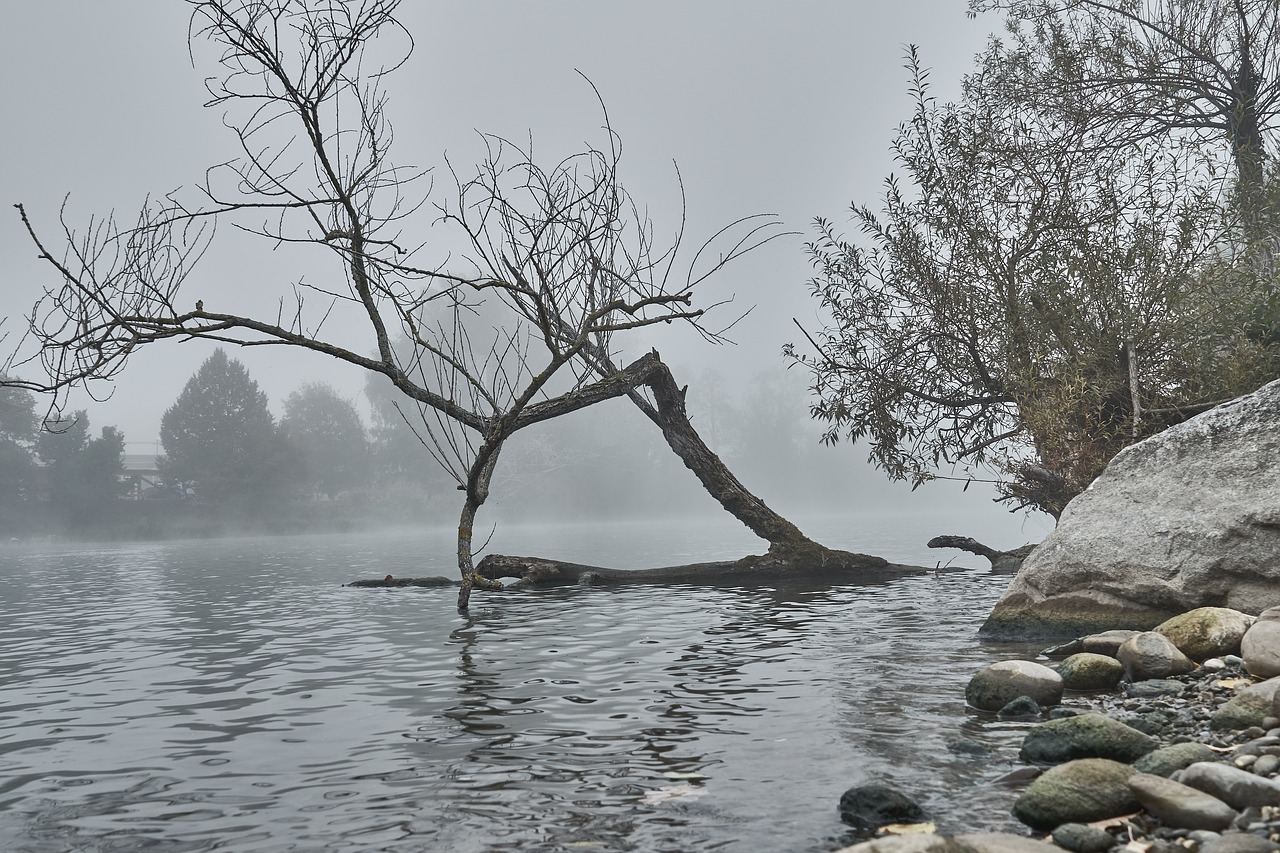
(765, 107)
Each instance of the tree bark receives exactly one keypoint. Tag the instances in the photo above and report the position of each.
(1001, 561)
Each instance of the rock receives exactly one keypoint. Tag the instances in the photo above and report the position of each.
(1022, 708)
(868, 807)
(1076, 792)
(1187, 518)
(1079, 838)
(1064, 650)
(1240, 842)
(1266, 765)
(1175, 804)
(1260, 647)
(964, 746)
(1152, 655)
(992, 842)
(1106, 642)
(1084, 736)
(1238, 788)
(1207, 632)
(1248, 708)
(1000, 683)
(1154, 687)
(904, 844)
(1002, 842)
(1169, 759)
(1088, 671)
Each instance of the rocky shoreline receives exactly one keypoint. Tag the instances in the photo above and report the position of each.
(1175, 748)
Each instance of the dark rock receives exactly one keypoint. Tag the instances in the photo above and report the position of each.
(868, 807)
(964, 746)
(1073, 647)
(1079, 838)
(1061, 713)
(1022, 708)
(1081, 791)
(1085, 736)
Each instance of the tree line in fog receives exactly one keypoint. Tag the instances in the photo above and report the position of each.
(229, 463)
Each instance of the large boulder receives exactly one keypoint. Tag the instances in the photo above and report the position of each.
(1207, 632)
(1238, 788)
(1175, 804)
(1187, 518)
(1260, 646)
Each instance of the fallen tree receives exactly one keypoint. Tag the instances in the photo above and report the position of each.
(561, 250)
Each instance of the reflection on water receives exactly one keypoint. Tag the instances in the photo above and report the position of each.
(232, 695)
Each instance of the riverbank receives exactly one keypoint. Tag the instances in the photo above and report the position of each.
(1185, 763)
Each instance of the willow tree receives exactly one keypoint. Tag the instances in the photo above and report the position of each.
(1206, 71)
(1028, 300)
(560, 248)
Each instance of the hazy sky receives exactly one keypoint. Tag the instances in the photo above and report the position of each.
(786, 108)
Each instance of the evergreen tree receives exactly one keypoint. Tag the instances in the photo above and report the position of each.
(326, 431)
(221, 440)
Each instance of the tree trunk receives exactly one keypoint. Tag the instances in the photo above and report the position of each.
(477, 493)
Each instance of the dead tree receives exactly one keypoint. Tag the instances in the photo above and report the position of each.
(561, 250)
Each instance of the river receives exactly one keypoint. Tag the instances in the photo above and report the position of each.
(233, 695)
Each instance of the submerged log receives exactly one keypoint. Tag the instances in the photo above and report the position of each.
(1002, 562)
(829, 566)
(389, 581)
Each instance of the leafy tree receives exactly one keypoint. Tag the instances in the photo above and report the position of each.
(83, 474)
(326, 430)
(221, 440)
(1203, 70)
(1030, 301)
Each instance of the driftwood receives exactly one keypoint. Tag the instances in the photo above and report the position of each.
(824, 566)
(1002, 562)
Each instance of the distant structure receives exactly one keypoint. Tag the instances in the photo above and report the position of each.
(141, 471)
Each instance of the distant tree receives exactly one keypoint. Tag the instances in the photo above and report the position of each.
(221, 440)
(83, 475)
(17, 433)
(326, 430)
(1029, 300)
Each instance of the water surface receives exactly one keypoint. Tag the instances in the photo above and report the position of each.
(232, 695)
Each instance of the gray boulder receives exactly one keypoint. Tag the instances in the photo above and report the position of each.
(1250, 707)
(1077, 792)
(1207, 632)
(1152, 655)
(1238, 788)
(1106, 642)
(1087, 671)
(1240, 842)
(1182, 806)
(991, 842)
(1000, 683)
(1260, 647)
(1187, 518)
(1085, 736)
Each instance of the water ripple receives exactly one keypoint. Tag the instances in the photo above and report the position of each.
(232, 695)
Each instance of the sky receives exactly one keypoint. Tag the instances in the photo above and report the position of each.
(782, 108)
